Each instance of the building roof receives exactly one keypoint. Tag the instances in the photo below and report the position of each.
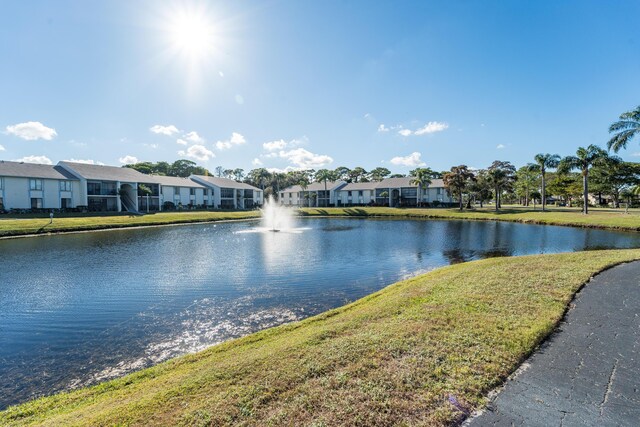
(223, 182)
(314, 186)
(406, 182)
(33, 170)
(174, 181)
(106, 173)
(357, 186)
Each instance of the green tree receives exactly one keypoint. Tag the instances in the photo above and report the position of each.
(357, 174)
(543, 162)
(378, 174)
(457, 180)
(480, 189)
(324, 175)
(624, 129)
(614, 176)
(422, 178)
(584, 159)
(527, 180)
(501, 175)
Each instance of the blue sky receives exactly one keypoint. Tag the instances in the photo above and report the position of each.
(299, 84)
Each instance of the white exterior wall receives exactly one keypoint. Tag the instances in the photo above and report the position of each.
(431, 194)
(16, 193)
(290, 198)
(343, 196)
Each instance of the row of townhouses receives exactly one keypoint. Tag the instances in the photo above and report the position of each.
(70, 185)
(392, 192)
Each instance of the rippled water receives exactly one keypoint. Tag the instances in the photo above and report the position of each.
(77, 309)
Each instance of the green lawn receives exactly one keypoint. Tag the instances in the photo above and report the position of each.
(24, 224)
(392, 358)
(597, 218)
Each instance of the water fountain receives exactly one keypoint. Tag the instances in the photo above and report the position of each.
(276, 218)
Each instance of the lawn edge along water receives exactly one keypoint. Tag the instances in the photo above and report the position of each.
(423, 351)
(606, 220)
(24, 227)
(18, 227)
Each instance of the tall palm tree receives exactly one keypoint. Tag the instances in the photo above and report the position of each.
(324, 175)
(583, 160)
(542, 163)
(626, 128)
(420, 177)
(501, 175)
(457, 179)
(304, 184)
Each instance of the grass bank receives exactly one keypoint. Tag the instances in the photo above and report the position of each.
(608, 219)
(399, 356)
(19, 226)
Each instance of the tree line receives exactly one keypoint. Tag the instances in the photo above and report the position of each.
(572, 178)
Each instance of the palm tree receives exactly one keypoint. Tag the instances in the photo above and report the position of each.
(303, 183)
(420, 177)
(625, 129)
(457, 180)
(583, 160)
(501, 176)
(544, 162)
(324, 175)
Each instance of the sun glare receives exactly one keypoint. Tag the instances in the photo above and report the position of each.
(192, 35)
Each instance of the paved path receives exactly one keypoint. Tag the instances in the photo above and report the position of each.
(588, 373)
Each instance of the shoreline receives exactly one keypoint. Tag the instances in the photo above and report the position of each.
(370, 330)
(592, 221)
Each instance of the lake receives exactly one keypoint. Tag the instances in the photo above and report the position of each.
(77, 309)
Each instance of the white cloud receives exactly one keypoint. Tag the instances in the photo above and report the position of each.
(182, 142)
(86, 162)
(405, 132)
(198, 152)
(44, 160)
(636, 154)
(431, 127)
(32, 131)
(1, 148)
(236, 139)
(239, 99)
(500, 146)
(275, 145)
(164, 130)
(412, 160)
(194, 137)
(383, 128)
(154, 146)
(257, 162)
(127, 160)
(304, 159)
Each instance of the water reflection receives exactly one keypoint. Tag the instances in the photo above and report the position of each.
(82, 308)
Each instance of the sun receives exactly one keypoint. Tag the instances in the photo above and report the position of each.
(192, 34)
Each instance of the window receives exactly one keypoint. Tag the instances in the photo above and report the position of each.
(360, 193)
(438, 191)
(349, 193)
(36, 203)
(65, 185)
(1, 204)
(248, 194)
(176, 191)
(226, 193)
(0, 183)
(212, 192)
(373, 193)
(35, 184)
(65, 203)
(192, 191)
(94, 188)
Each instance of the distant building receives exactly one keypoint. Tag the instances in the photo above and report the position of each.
(314, 195)
(72, 185)
(393, 192)
(34, 186)
(230, 194)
